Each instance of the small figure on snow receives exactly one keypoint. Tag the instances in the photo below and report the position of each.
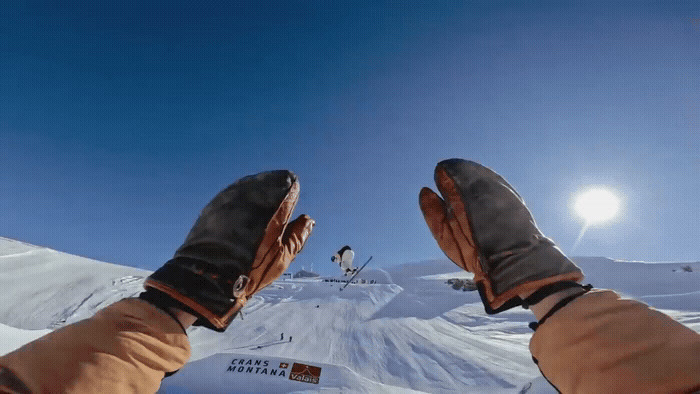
(344, 258)
(282, 337)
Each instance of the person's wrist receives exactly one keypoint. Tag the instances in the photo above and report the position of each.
(543, 307)
(185, 319)
(175, 309)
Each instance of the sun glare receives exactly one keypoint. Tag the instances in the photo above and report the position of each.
(597, 205)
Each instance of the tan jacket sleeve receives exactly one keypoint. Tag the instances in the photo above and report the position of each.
(126, 347)
(600, 343)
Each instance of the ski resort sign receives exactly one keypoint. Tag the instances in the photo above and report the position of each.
(257, 367)
(239, 372)
(305, 373)
(274, 368)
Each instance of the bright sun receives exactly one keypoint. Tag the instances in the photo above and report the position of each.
(597, 205)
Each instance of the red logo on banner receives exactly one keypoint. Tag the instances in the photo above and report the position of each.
(305, 373)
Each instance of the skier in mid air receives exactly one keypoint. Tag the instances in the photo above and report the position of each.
(588, 341)
(344, 258)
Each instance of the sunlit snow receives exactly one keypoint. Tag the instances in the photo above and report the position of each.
(409, 330)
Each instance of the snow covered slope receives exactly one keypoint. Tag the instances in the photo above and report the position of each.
(422, 337)
(43, 288)
(410, 332)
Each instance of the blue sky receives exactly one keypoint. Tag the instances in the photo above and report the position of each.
(119, 120)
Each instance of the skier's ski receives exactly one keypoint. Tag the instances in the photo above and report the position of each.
(355, 274)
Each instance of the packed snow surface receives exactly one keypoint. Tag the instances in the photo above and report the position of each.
(405, 329)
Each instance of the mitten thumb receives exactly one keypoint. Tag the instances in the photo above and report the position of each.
(435, 213)
(281, 255)
(296, 234)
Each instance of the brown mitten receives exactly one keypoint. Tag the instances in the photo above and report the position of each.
(241, 242)
(484, 227)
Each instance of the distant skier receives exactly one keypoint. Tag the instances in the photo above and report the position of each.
(290, 338)
(344, 258)
(282, 337)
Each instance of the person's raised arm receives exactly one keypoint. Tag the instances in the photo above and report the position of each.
(585, 341)
(241, 242)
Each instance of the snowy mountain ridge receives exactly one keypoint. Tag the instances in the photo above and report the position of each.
(412, 331)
